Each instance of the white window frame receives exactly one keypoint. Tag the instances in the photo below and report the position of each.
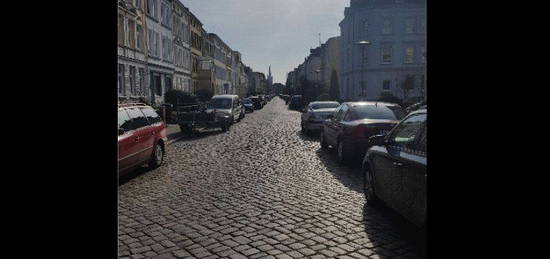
(408, 59)
(382, 54)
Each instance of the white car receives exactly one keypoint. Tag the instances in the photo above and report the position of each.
(314, 115)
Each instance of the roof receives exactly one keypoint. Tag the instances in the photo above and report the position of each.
(121, 105)
(370, 103)
(223, 96)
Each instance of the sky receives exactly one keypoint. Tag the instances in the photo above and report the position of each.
(279, 33)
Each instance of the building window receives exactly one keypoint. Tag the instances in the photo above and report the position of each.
(141, 89)
(365, 55)
(152, 7)
(132, 79)
(409, 55)
(121, 30)
(409, 25)
(166, 15)
(138, 4)
(131, 33)
(154, 48)
(363, 85)
(120, 82)
(387, 27)
(139, 32)
(386, 85)
(386, 54)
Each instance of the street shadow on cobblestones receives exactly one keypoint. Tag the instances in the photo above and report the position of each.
(349, 175)
(313, 136)
(133, 174)
(200, 134)
(398, 229)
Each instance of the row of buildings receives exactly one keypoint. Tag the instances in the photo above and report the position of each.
(163, 46)
(381, 52)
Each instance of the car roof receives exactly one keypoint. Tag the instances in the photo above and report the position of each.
(128, 105)
(425, 110)
(361, 103)
(323, 102)
(224, 96)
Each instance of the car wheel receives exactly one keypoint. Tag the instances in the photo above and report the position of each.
(368, 186)
(157, 157)
(323, 140)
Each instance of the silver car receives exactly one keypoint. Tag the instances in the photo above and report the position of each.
(314, 115)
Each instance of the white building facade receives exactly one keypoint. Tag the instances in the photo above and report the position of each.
(160, 48)
(182, 50)
(392, 62)
(132, 60)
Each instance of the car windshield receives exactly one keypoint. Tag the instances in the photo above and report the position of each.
(247, 101)
(380, 112)
(220, 103)
(316, 106)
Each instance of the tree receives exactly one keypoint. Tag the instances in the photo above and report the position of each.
(334, 87)
(176, 97)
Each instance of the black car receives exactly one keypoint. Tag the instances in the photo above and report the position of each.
(257, 102)
(395, 168)
(349, 128)
(248, 105)
(296, 102)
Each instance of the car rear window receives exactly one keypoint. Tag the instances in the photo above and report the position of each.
(316, 106)
(380, 112)
(124, 120)
(220, 103)
(138, 119)
(151, 115)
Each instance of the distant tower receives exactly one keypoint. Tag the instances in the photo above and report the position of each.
(269, 81)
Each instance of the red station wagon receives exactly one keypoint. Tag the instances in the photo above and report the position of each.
(141, 137)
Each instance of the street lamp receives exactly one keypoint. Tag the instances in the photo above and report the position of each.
(363, 43)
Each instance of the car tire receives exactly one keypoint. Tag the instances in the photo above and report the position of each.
(323, 141)
(225, 127)
(368, 187)
(157, 157)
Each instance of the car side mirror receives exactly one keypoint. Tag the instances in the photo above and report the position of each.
(120, 131)
(377, 140)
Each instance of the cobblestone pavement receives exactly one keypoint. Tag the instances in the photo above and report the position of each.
(260, 190)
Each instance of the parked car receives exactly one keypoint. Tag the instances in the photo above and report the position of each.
(228, 104)
(296, 102)
(141, 137)
(416, 106)
(353, 123)
(257, 102)
(248, 105)
(314, 115)
(395, 168)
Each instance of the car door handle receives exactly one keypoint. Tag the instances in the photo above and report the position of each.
(397, 164)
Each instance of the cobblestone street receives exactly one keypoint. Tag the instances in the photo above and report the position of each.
(260, 190)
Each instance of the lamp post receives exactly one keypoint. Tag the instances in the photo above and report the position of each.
(363, 43)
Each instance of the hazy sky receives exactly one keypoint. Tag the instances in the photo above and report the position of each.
(271, 32)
